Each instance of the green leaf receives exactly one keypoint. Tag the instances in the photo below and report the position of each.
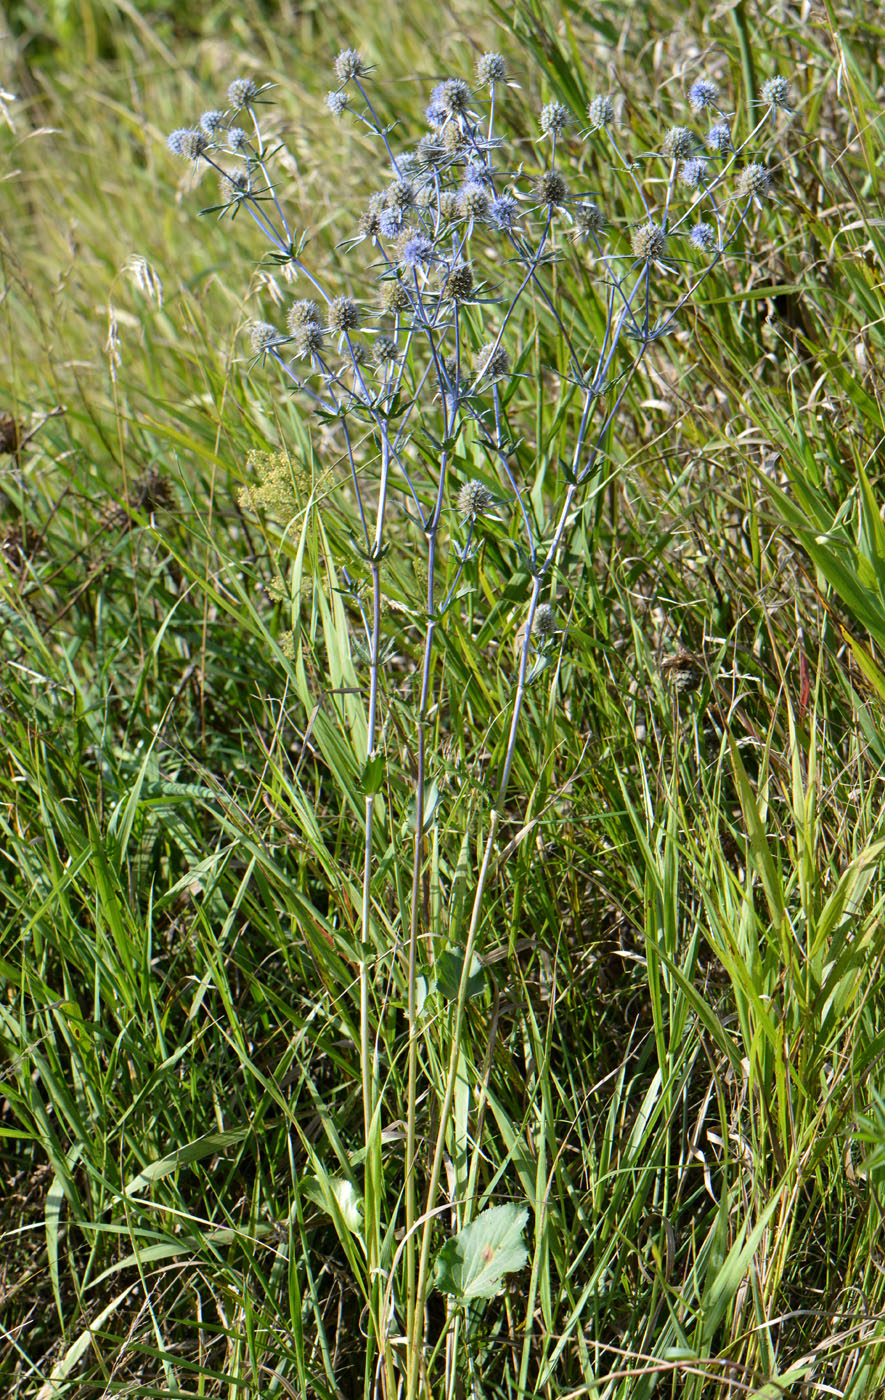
(449, 970)
(337, 1197)
(474, 1262)
(372, 775)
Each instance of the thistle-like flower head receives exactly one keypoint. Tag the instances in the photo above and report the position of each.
(187, 141)
(776, 92)
(703, 93)
(490, 68)
(343, 315)
(474, 499)
(718, 138)
(601, 112)
(754, 182)
(679, 143)
(545, 621)
(350, 64)
(554, 119)
(703, 237)
(242, 92)
(550, 188)
(649, 241)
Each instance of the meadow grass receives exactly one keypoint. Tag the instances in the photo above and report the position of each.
(658, 1035)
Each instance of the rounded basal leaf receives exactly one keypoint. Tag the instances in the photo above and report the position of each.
(474, 1262)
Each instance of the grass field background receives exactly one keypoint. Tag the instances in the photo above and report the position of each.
(670, 1050)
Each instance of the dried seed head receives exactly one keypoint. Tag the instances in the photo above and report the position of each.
(703, 93)
(601, 112)
(343, 315)
(754, 182)
(350, 64)
(649, 241)
(682, 671)
(448, 205)
(550, 188)
(490, 68)
(679, 143)
(776, 92)
(474, 499)
(370, 220)
(10, 434)
(554, 119)
(401, 195)
(242, 92)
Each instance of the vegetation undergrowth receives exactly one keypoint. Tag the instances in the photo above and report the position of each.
(442, 806)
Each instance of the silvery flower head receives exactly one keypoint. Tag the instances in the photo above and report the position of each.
(212, 122)
(554, 119)
(703, 237)
(550, 188)
(776, 92)
(457, 282)
(350, 64)
(233, 185)
(504, 212)
(242, 92)
(545, 621)
(473, 202)
(490, 69)
(390, 222)
(679, 143)
(693, 173)
(601, 112)
(343, 315)
(589, 219)
(753, 182)
(187, 141)
(303, 313)
(452, 97)
(718, 138)
(414, 250)
(492, 361)
(649, 241)
(308, 340)
(395, 299)
(336, 102)
(263, 336)
(385, 351)
(237, 140)
(703, 93)
(474, 498)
